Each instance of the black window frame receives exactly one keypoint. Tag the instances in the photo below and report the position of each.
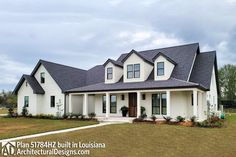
(52, 101)
(160, 105)
(162, 68)
(104, 104)
(113, 104)
(130, 71)
(42, 77)
(109, 73)
(136, 70)
(26, 104)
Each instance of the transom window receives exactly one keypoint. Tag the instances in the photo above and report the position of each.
(159, 104)
(160, 68)
(133, 71)
(109, 73)
(52, 101)
(26, 101)
(42, 77)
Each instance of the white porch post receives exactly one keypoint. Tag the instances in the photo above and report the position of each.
(85, 104)
(107, 105)
(168, 103)
(138, 104)
(195, 103)
(70, 103)
(200, 110)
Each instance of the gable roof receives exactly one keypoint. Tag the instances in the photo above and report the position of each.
(37, 89)
(144, 58)
(166, 57)
(116, 63)
(65, 76)
(182, 55)
(202, 69)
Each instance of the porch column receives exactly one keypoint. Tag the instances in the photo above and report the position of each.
(168, 103)
(195, 103)
(200, 110)
(107, 105)
(85, 104)
(138, 104)
(70, 103)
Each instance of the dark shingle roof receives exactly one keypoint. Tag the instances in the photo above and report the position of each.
(65, 76)
(37, 89)
(182, 55)
(95, 75)
(202, 69)
(150, 84)
(117, 63)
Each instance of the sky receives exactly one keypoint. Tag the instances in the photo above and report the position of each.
(83, 33)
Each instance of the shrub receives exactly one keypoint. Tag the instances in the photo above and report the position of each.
(92, 115)
(124, 110)
(143, 116)
(142, 110)
(180, 118)
(193, 119)
(30, 116)
(11, 112)
(167, 118)
(82, 117)
(153, 117)
(24, 111)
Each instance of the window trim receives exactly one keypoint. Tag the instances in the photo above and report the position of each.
(42, 77)
(160, 104)
(161, 68)
(133, 71)
(52, 101)
(109, 73)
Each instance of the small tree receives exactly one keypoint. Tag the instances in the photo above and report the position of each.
(59, 110)
(25, 111)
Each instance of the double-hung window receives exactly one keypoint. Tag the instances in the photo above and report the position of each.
(109, 73)
(42, 77)
(133, 71)
(26, 101)
(160, 69)
(52, 101)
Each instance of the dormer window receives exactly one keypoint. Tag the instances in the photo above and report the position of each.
(160, 68)
(42, 77)
(133, 71)
(109, 73)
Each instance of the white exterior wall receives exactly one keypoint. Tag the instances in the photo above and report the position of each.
(26, 91)
(51, 89)
(168, 68)
(212, 95)
(120, 103)
(77, 104)
(116, 75)
(145, 68)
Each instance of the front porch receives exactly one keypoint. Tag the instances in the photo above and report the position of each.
(171, 102)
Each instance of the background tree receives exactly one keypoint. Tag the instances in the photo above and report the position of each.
(227, 82)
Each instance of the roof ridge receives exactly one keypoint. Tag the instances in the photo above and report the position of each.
(41, 60)
(213, 51)
(168, 47)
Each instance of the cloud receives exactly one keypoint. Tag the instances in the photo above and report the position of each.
(11, 70)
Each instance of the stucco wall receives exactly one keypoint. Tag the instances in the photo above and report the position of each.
(117, 73)
(168, 68)
(145, 68)
(51, 89)
(26, 91)
(212, 95)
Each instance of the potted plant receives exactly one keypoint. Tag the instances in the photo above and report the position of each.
(124, 110)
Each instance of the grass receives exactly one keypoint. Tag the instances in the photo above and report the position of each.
(13, 127)
(230, 110)
(138, 140)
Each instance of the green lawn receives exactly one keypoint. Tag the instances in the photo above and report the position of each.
(148, 140)
(5, 110)
(13, 127)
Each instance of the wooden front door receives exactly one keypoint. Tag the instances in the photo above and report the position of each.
(132, 104)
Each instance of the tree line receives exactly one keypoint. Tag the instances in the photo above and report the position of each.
(7, 99)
